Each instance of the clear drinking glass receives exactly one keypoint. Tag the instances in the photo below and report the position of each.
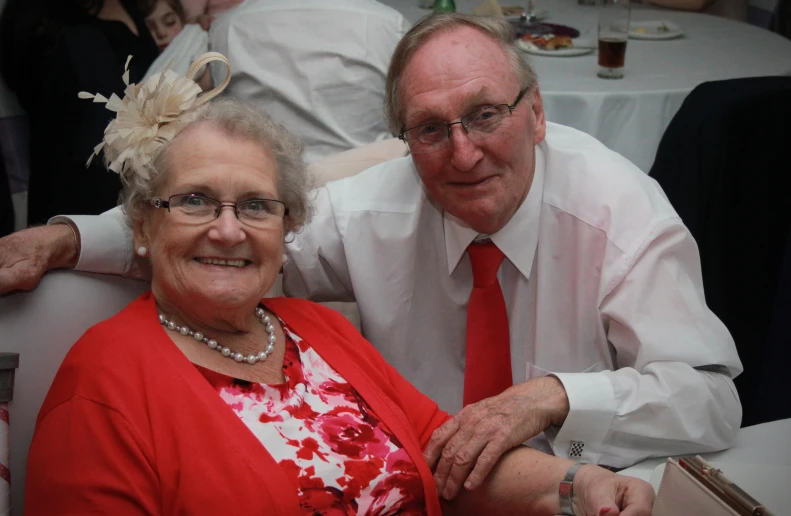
(530, 11)
(613, 35)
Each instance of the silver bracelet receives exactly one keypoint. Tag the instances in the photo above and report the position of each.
(566, 490)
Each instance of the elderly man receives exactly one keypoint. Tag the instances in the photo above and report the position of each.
(514, 267)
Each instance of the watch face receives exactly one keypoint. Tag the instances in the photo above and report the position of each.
(565, 488)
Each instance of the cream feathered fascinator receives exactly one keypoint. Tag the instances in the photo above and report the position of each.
(150, 115)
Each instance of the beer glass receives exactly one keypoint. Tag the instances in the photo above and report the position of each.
(613, 34)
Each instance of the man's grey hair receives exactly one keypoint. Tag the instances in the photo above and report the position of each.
(238, 120)
(496, 27)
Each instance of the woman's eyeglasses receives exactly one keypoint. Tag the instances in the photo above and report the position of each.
(199, 209)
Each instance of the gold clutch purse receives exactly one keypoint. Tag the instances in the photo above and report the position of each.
(690, 486)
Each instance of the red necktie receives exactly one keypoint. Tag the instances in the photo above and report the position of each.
(487, 371)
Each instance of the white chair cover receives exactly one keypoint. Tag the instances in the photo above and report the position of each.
(41, 326)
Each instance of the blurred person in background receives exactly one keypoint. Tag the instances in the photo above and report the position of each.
(52, 50)
(165, 19)
(196, 9)
(180, 42)
(733, 9)
(317, 67)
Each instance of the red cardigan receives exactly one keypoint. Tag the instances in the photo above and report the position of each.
(130, 426)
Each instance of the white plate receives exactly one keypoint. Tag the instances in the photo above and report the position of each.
(530, 48)
(540, 14)
(652, 29)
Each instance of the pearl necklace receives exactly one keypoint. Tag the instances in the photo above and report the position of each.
(227, 352)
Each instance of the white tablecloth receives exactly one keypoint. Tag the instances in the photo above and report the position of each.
(629, 115)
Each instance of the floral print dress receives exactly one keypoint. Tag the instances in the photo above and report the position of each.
(339, 456)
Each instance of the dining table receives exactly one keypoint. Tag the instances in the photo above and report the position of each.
(629, 115)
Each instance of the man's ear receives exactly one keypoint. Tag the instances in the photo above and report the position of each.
(537, 105)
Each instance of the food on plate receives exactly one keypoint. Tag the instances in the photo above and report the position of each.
(559, 42)
(548, 41)
(659, 29)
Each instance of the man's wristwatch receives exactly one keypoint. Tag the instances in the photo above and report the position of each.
(566, 490)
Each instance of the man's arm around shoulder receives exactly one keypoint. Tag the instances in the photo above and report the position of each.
(26, 255)
(89, 243)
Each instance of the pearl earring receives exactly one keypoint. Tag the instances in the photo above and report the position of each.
(141, 251)
(284, 258)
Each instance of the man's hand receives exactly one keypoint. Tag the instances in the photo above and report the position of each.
(26, 255)
(475, 438)
(600, 492)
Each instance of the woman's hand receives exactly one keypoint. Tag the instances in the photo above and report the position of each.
(598, 492)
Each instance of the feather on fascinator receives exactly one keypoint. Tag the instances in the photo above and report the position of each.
(150, 115)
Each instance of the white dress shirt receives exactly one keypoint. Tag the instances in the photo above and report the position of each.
(316, 66)
(601, 281)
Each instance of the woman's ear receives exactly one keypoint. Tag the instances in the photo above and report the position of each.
(140, 237)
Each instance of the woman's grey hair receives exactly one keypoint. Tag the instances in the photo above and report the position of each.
(497, 28)
(238, 120)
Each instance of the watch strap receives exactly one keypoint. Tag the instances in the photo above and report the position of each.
(566, 490)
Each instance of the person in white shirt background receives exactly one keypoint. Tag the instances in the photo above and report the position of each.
(317, 67)
(614, 355)
(194, 9)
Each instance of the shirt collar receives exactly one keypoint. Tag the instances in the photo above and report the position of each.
(518, 239)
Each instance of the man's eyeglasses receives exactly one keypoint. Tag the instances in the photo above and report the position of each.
(478, 125)
(198, 209)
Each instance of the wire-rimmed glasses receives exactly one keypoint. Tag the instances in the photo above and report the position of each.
(199, 209)
(478, 125)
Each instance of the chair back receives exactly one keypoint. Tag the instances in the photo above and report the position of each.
(761, 12)
(723, 163)
(41, 326)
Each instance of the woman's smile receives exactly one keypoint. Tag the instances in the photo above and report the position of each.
(223, 262)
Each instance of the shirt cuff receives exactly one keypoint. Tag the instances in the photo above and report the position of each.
(591, 411)
(105, 243)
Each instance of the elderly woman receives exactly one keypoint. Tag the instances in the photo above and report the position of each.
(200, 397)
